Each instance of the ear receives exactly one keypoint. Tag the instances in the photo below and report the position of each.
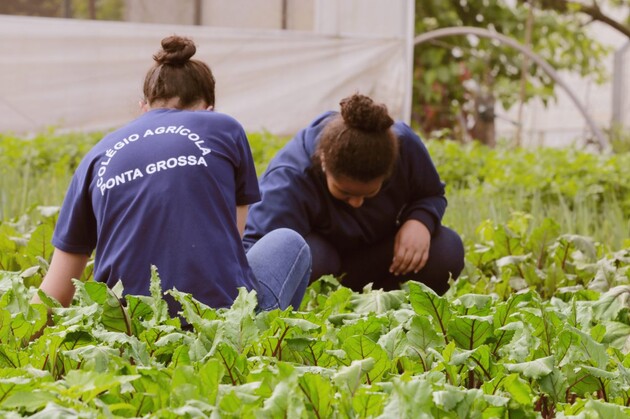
(210, 108)
(144, 106)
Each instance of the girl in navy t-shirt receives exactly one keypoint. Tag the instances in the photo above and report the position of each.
(171, 189)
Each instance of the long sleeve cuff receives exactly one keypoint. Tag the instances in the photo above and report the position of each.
(424, 217)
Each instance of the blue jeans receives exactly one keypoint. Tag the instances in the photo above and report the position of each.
(281, 262)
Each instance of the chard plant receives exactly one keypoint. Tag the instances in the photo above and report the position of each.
(537, 326)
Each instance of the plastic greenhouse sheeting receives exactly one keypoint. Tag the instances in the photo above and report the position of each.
(87, 75)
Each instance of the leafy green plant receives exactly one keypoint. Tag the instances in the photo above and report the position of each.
(343, 355)
(587, 194)
(537, 326)
(264, 146)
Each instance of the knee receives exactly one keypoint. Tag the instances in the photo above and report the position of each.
(289, 242)
(287, 236)
(448, 246)
(283, 244)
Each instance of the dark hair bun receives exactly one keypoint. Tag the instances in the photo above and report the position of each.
(176, 50)
(360, 112)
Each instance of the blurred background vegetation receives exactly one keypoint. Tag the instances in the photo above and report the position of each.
(585, 193)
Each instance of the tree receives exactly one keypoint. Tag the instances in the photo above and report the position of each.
(459, 80)
(595, 12)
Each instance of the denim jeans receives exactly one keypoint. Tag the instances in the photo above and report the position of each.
(281, 262)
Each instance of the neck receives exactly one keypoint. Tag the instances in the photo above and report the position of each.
(173, 103)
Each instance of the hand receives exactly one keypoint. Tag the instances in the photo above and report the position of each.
(411, 248)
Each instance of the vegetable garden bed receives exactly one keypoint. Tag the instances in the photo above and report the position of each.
(538, 325)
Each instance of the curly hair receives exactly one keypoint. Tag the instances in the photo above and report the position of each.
(358, 143)
(176, 75)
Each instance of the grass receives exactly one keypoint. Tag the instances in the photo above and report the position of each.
(605, 222)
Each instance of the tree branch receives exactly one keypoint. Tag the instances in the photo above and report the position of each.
(592, 10)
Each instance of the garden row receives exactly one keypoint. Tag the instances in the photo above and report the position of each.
(538, 325)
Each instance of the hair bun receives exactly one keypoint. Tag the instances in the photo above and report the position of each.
(361, 112)
(176, 50)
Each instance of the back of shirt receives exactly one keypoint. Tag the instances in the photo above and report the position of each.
(163, 191)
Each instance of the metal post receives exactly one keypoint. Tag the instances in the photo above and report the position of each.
(67, 8)
(198, 9)
(285, 7)
(619, 85)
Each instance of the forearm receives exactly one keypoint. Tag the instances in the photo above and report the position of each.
(241, 218)
(58, 280)
(428, 211)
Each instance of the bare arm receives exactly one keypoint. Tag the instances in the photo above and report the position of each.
(58, 281)
(241, 218)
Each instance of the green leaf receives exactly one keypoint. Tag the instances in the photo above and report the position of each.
(29, 400)
(238, 328)
(592, 352)
(368, 403)
(567, 347)
(449, 399)
(377, 301)
(159, 306)
(362, 347)
(319, 394)
(422, 335)
(196, 313)
(606, 410)
(545, 324)
(89, 384)
(5, 326)
(617, 335)
(478, 302)
(426, 302)
(541, 237)
(405, 398)
(611, 303)
(505, 313)
(235, 364)
(39, 242)
(469, 332)
(98, 358)
(349, 378)
(519, 389)
(113, 313)
(370, 326)
(533, 369)
(395, 342)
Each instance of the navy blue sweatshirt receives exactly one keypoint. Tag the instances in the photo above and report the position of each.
(295, 195)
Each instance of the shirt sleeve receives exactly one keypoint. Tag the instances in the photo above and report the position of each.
(247, 190)
(285, 203)
(75, 230)
(427, 202)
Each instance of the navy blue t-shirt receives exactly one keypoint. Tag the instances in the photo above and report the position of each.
(295, 195)
(163, 191)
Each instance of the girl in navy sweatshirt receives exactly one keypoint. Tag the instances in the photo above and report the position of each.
(365, 194)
